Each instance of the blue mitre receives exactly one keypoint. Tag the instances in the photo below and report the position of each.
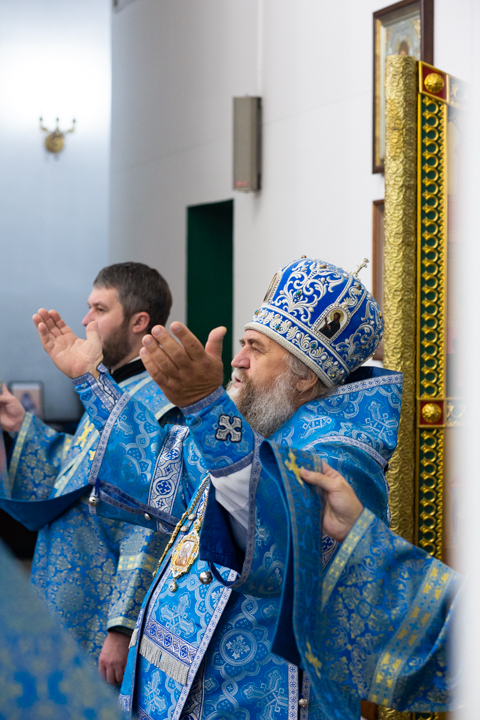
(323, 315)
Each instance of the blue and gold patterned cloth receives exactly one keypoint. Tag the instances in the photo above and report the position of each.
(43, 672)
(377, 622)
(92, 572)
(204, 648)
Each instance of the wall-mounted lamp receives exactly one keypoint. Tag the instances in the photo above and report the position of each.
(55, 139)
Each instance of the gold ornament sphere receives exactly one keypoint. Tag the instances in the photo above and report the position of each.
(431, 413)
(434, 83)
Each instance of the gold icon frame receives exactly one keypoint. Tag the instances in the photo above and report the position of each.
(419, 98)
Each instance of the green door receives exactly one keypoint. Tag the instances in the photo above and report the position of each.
(210, 272)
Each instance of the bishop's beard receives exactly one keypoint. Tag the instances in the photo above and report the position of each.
(264, 408)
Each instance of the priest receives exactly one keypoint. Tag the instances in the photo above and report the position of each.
(93, 573)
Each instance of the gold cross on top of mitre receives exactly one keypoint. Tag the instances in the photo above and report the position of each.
(291, 464)
(363, 264)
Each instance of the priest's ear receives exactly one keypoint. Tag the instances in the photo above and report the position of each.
(139, 323)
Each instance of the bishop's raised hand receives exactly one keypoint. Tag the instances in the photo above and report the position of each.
(72, 355)
(185, 372)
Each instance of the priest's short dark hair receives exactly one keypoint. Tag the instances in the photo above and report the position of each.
(140, 289)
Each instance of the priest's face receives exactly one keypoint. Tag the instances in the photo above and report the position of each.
(262, 385)
(113, 328)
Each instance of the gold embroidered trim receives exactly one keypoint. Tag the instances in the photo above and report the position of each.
(403, 644)
(343, 555)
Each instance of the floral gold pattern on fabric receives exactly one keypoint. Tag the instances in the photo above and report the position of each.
(384, 628)
(399, 278)
(431, 199)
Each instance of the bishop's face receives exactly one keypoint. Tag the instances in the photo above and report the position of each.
(262, 385)
(260, 361)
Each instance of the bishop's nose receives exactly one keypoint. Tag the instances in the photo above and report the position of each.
(241, 360)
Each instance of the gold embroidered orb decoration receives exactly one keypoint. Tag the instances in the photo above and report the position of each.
(431, 413)
(434, 83)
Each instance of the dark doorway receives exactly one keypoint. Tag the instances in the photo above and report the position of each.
(210, 272)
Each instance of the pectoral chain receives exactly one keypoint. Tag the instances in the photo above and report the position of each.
(187, 549)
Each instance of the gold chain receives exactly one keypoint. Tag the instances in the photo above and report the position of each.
(182, 520)
(198, 522)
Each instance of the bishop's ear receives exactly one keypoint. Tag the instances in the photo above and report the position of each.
(306, 382)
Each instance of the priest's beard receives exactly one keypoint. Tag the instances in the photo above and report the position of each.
(116, 346)
(264, 408)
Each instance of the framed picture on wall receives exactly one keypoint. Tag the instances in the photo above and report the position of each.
(405, 28)
(30, 395)
(378, 242)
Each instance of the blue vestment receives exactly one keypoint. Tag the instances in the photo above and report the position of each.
(43, 673)
(93, 572)
(376, 622)
(205, 650)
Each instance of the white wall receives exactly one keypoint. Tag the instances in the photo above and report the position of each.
(176, 66)
(54, 60)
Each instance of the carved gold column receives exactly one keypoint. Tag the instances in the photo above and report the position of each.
(400, 284)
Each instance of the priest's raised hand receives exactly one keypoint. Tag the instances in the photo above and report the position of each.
(11, 411)
(72, 355)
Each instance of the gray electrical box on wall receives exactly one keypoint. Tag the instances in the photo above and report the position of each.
(247, 143)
